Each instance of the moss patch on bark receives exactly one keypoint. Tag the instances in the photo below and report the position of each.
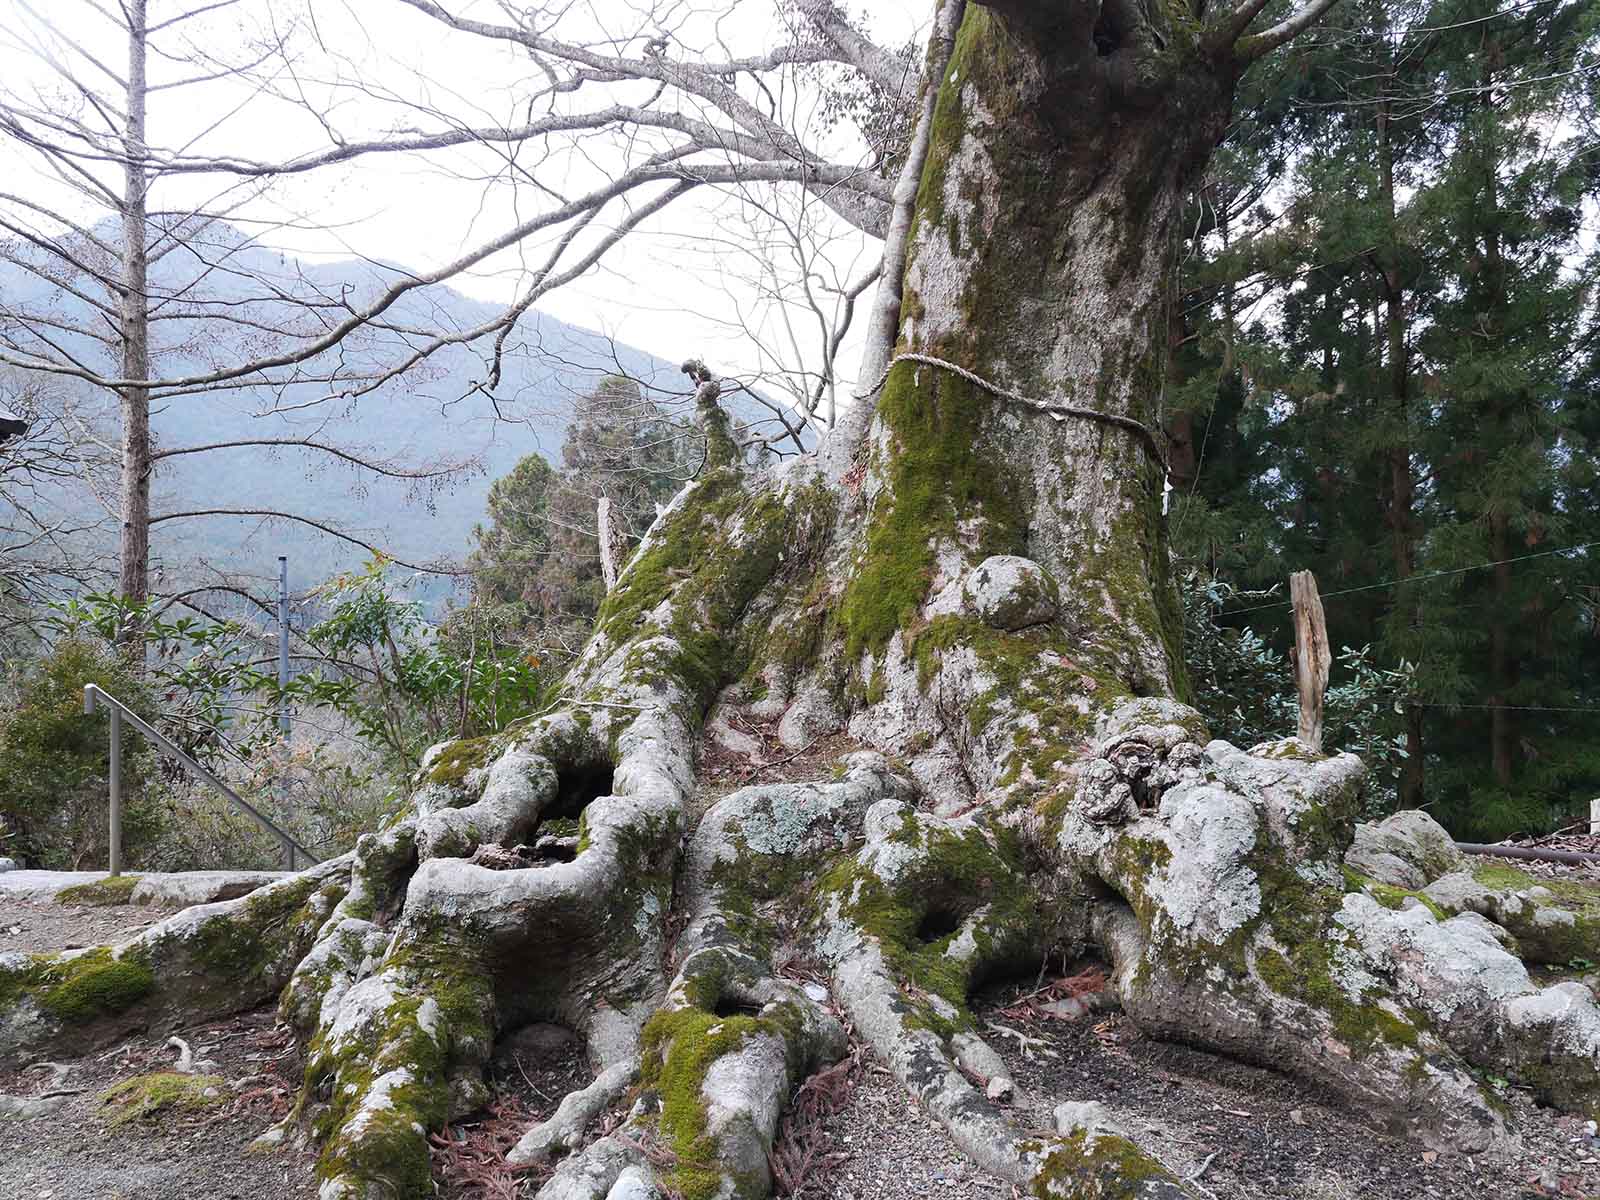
(920, 916)
(79, 989)
(678, 1048)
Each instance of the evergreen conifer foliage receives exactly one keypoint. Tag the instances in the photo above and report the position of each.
(1413, 402)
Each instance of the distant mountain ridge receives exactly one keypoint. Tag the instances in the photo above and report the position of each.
(438, 411)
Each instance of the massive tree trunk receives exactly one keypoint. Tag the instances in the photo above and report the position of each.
(981, 602)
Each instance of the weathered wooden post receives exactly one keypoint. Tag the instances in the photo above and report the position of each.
(613, 546)
(1312, 658)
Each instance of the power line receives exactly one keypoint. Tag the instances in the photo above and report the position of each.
(1369, 587)
(1566, 708)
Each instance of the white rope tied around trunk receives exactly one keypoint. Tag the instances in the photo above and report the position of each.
(1146, 435)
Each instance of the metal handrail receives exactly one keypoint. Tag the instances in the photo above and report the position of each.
(121, 712)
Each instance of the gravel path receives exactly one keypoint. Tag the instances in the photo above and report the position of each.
(37, 925)
(890, 1149)
(80, 1152)
(1243, 1132)
(1246, 1132)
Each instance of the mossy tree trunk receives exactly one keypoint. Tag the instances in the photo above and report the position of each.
(1040, 261)
(982, 602)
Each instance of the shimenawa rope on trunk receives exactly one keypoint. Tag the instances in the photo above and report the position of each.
(1147, 436)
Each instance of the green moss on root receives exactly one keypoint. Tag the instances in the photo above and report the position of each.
(1569, 929)
(1103, 1166)
(389, 1147)
(955, 874)
(240, 946)
(1363, 1024)
(459, 758)
(714, 554)
(80, 989)
(1388, 895)
(678, 1048)
(100, 893)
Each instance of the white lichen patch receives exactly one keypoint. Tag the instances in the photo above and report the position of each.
(429, 1020)
(365, 1004)
(1208, 889)
(1445, 967)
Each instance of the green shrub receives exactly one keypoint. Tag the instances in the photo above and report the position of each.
(55, 762)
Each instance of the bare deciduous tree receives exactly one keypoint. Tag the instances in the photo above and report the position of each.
(47, 544)
(112, 287)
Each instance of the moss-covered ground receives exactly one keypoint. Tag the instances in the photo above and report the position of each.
(163, 1091)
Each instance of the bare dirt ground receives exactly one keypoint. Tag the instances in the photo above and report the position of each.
(98, 1149)
(47, 925)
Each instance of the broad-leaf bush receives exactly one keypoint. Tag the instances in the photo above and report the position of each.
(55, 761)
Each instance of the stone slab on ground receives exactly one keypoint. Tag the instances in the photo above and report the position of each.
(160, 889)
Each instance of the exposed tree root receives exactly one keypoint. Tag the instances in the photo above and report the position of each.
(1205, 874)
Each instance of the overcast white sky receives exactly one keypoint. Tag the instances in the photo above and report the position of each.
(677, 288)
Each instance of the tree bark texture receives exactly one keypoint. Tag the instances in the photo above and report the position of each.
(980, 611)
(134, 544)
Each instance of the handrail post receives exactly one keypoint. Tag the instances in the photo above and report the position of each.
(114, 818)
(115, 832)
(119, 711)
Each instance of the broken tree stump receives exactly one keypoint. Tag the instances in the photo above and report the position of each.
(1312, 658)
(613, 545)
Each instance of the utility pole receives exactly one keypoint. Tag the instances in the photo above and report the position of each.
(283, 681)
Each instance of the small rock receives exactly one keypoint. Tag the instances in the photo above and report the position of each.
(1011, 592)
(7, 864)
(816, 991)
(1000, 1088)
(271, 1139)
(1088, 1115)
(1070, 1009)
(634, 1183)
(26, 1108)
